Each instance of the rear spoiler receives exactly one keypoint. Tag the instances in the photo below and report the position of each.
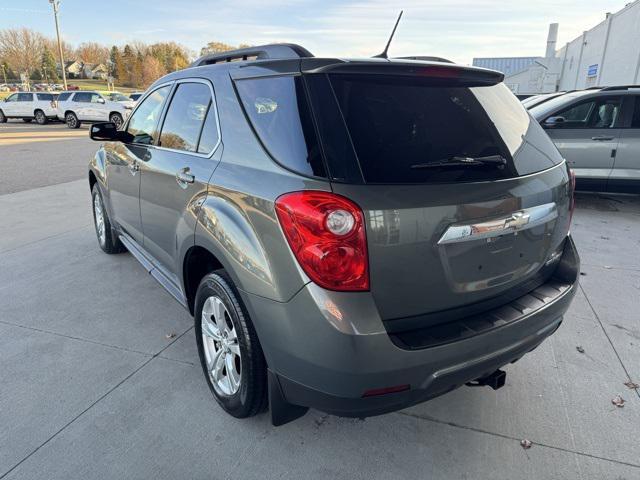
(445, 73)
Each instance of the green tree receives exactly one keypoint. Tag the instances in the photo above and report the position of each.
(115, 57)
(125, 75)
(36, 75)
(49, 69)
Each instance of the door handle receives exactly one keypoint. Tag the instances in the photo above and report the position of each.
(183, 177)
(602, 138)
(134, 168)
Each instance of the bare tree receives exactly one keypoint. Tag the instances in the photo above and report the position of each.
(219, 47)
(92, 52)
(22, 49)
(152, 70)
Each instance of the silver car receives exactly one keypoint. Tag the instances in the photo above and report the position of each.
(598, 132)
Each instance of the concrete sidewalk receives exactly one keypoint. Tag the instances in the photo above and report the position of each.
(92, 385)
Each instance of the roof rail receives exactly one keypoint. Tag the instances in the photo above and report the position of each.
(275, 51)
(619, 87)
(425, 59)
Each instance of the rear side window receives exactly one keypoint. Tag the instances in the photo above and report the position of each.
(45, 96)
(280, 115)
(635, 121)
(403, 127)
(64, 96)
(185, 117)
(210, 136)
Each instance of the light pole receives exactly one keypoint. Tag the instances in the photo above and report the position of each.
(56, 4)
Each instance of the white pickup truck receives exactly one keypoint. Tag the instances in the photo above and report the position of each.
(38, 106)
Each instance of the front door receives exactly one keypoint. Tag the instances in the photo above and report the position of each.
(176, 177)
(10, 106)
(124, 160)
(588, 137)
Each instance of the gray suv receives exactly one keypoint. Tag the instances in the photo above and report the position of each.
(355, 236)
(598, 132)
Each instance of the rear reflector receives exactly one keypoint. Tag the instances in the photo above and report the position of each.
(383, 391)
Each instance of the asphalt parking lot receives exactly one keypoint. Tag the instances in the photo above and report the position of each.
(99, 375)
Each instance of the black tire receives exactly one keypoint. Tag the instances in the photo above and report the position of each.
(116, 119)
(3, 119)
(41, 118)
(27, 120)
(251, 397)
(106, 241)
(72, 120)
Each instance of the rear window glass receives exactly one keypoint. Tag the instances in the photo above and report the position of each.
(64, 96)
(403, 129)
(279, 113)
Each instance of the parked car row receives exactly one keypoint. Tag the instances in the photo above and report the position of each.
(73, 108)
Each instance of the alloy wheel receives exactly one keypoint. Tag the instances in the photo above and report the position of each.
(99, 215)
(221, 347)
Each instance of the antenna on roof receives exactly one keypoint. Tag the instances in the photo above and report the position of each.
(384, 53)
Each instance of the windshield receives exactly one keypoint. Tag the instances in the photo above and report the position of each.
(540, 111)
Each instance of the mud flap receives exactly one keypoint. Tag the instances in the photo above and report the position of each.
(282, 412)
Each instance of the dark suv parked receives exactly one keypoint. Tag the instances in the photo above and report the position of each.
(355, 236)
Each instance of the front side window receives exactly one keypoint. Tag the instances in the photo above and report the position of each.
(96, 98)
(602, 113)
(281, 117)
(185, 117)
(82, 97)
(25, 97)
(12, 98)
(142, 123)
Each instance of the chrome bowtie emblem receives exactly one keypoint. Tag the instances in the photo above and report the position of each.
(517, 220)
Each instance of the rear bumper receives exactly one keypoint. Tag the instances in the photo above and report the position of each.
(328, 348)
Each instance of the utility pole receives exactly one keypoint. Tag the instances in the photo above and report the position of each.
(56, 4)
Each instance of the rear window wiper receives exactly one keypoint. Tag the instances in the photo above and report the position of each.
(491, 160)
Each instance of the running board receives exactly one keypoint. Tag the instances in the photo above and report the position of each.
(282, 412)
(155, 272)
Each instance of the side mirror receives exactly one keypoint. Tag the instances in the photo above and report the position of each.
(553, 122)
(108, 132)
(101, 100)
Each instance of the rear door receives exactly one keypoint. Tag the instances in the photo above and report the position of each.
(625, 175)
(124, 160)
(176, 175)
(25, 105)
(588, 138)
(442, 237)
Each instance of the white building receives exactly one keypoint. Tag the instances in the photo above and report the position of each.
(608, 54)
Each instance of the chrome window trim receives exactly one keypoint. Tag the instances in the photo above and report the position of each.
(213, 104)
(516, 222)
(139, 102)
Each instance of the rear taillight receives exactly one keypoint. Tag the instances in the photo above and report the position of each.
(572, 192)
(327, 235)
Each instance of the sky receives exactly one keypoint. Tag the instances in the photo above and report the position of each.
(455, 29)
